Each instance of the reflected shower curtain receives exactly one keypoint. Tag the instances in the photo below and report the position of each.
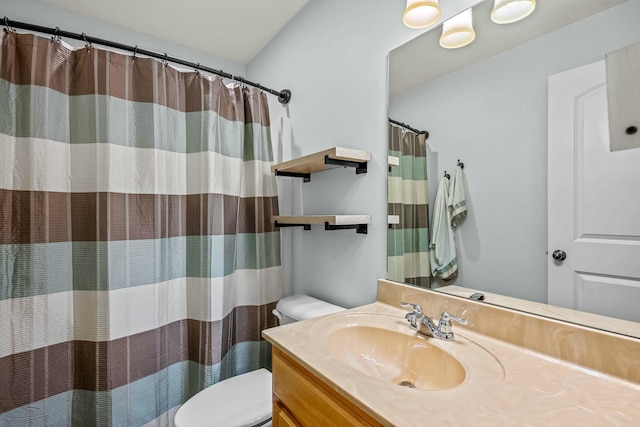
(408, 197)
(138, 262)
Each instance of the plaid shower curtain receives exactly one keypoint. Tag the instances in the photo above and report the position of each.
(408, 197)
(138, 261)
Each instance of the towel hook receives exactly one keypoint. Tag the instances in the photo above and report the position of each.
(460, 164)
(446, 175)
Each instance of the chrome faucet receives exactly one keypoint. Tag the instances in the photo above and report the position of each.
(419, 322)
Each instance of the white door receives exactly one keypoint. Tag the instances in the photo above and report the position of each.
(593, 201)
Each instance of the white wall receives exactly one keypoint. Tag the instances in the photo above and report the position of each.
(493, 116)
(333, 56)
(34, 12)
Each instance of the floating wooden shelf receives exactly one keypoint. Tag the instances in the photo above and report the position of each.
(303, 167)
(331, 222)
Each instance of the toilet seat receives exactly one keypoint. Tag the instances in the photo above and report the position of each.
(243, 400)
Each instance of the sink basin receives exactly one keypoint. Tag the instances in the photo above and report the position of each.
(399, 358)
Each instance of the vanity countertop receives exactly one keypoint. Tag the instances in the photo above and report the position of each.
(517, 387)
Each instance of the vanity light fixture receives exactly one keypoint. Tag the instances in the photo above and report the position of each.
(508, 11)
(421, 14)
(458, 31)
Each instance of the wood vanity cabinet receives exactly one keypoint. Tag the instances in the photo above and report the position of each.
(301, 399)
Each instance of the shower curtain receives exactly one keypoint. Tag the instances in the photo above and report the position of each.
(408, 197)
(138, 262)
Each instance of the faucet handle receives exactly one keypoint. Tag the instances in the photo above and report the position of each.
(414, 318)
(416, 307)
(444, 325)
(446, 317)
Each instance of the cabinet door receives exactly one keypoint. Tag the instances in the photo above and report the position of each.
(311, 402)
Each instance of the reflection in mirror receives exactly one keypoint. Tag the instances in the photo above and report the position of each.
(491, 104)
(408, 205)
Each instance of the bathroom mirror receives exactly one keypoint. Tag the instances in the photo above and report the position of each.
(487, 104)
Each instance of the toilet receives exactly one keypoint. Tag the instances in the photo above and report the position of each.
(246, 400)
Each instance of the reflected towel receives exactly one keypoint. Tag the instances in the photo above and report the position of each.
(457, 198)
(442, 248)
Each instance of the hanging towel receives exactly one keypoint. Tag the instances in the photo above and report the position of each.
(457, 198)
(442, 248)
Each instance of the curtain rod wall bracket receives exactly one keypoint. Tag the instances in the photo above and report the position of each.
(284, 97)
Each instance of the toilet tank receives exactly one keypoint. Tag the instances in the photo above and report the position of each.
(301, 307)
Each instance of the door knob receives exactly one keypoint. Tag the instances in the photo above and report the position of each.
(559, 255)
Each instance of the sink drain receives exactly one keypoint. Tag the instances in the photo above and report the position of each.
(408, 384)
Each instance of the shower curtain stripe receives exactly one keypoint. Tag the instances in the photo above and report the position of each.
(24, 215)
(133, 303)
(90, 176)
(129, 357)
(126, 303)
(146, 410)
(138, 260)
(99, 266)
(103, 72)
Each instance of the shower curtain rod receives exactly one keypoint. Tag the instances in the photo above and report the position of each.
(284, 96)
(395, 122)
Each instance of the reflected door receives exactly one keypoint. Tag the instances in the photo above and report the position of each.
(593, 202)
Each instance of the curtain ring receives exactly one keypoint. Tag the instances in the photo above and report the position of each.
(86, 43)
(198, 68)
(239, 80)
(135, 50)
(165, 60)
(6, 24)
(56, 37)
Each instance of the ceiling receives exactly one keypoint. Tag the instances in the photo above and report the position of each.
(234, 30)
(422, 59)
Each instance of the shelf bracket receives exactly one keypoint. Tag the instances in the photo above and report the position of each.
(360, 228)
(361, 167)
(305, 226)
(305, 176)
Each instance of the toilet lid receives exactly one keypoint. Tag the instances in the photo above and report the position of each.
(243, 400)
(303, 307)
